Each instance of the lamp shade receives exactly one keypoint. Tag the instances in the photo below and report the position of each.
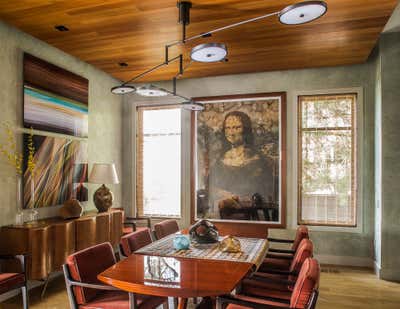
(104, 173)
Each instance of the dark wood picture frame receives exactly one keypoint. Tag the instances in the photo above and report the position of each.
(249, 229)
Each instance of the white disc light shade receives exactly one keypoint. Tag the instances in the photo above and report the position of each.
(123, 89)
(303, 12)
(209, 52)
(151, 91)
(193, 106)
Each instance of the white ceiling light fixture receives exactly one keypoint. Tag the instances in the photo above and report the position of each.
(151, 91)
(303, 12)
(123, 89)
(296, 14)
(209, 52)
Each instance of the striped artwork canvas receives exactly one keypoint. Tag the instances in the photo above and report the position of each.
(60, 172)
(50, 112)
(55, 100)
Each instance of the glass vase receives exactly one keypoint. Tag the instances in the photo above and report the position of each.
(19, 216)
(32, 214)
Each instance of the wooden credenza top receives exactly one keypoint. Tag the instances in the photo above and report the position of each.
(49, 241)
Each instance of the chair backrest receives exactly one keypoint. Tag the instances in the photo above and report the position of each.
(85, 265)
(301, 233)
(134, 241)
(304, 251)
(306, 284)
(165, 228)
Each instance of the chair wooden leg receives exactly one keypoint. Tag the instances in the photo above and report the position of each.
(25, 299)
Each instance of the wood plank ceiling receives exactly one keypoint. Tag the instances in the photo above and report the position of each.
(105, 33)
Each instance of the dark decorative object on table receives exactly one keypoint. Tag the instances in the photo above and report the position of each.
(71, 209)
(204, 232)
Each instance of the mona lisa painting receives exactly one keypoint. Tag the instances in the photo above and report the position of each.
(239, 159)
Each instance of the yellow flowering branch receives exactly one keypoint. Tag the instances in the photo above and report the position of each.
(14, 157)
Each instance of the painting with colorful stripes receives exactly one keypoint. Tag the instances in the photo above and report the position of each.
(60, 171)
(49, 112)
(55, 100)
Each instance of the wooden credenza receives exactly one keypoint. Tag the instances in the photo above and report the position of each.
(48, 242)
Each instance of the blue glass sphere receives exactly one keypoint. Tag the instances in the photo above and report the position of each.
(181, 242)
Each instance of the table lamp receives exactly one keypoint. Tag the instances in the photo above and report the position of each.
(103, 173)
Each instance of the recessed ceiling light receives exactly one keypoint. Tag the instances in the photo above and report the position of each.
(151, 91)
(193, 106)
(122, 64)
(209, 52)
(61, 28)
(123, 89)
(303, 12)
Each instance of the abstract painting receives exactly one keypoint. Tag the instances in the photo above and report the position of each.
(239, 155)
(60, 172)
(55, 100)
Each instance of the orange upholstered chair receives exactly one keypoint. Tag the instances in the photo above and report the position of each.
(281, 258)
(86, 292)
(130, 223)
(303, 296)
(165, 228)
(278, 282)
(13, 281)
(134, 241)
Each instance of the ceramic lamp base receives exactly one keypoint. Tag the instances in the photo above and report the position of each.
(103, 199)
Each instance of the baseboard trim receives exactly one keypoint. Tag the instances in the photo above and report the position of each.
(345, 260)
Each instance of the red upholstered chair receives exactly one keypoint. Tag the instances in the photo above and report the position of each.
(165, 228)
(86, 292)
(134, 241)
(304, 295)
(278, 282)
(13, 281)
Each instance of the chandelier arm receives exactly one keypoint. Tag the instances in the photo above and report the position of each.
(168, 61)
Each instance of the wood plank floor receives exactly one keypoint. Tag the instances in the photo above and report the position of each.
(344, 288)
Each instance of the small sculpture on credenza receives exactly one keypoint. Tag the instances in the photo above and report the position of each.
(71, 208)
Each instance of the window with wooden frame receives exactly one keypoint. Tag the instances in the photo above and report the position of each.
(327, 160)
(158, 161)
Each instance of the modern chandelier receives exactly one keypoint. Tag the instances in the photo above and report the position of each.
(296, 14)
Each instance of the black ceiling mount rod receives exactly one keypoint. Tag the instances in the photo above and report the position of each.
(184, 16)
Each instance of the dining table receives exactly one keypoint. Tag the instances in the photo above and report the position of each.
(201, 271)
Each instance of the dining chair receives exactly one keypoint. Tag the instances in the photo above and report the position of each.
(13, 281)
(129, 223)
(85, 291)
(301, 233)
(134, 241)
(278, 282)
(303, 296)
(165, 228)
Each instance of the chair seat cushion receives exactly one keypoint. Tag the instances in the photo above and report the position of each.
(258, 301)
(10, 281)
(259, 288)
(272, 263)
(120, 300)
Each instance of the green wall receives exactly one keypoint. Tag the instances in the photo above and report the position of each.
(333, 245)
(105, 111)
(388, 164)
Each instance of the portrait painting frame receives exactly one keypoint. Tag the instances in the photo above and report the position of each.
(233, 107)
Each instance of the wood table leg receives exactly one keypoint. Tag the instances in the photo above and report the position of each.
(182, 304)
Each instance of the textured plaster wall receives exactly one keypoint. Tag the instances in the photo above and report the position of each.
(105, 111)
(390, 153)
(336, 244)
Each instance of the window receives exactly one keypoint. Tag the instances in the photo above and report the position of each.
(327, 160)
(158, 191)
